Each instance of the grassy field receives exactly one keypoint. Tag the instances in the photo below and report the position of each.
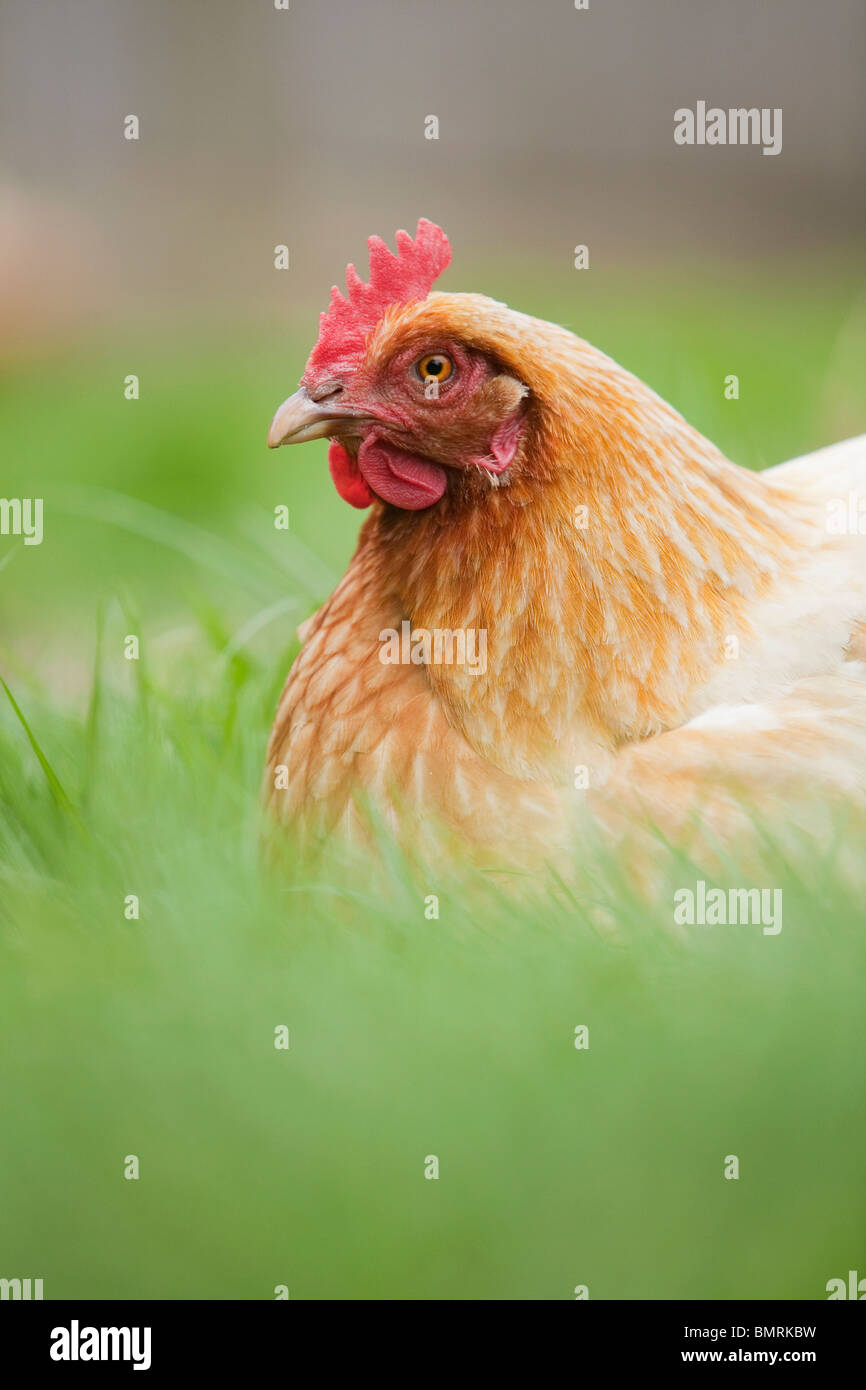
(409, 1037)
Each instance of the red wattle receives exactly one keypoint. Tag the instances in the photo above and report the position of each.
(404, 480)
(347, 477)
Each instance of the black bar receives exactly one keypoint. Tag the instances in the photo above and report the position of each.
(222, 1338)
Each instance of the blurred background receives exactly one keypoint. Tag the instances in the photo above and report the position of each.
(154, 1036)
(307, 127)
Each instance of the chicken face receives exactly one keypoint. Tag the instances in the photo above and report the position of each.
(405, 404)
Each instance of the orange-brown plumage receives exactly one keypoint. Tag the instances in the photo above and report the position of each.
(615, 562)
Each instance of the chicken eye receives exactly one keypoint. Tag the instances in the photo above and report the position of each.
(435, 366)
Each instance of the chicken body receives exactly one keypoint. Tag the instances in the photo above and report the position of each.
(666, 633)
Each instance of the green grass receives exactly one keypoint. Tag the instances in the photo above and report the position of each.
(409, 1037)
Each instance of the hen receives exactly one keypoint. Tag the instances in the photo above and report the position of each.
(565, 601)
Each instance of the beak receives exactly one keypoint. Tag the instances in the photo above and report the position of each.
(301, 418)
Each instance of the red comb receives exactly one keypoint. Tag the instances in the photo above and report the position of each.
(344, 329)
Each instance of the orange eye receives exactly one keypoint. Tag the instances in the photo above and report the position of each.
(435, 366)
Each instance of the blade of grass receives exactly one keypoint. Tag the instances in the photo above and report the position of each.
(51, 776)
(94, 707)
